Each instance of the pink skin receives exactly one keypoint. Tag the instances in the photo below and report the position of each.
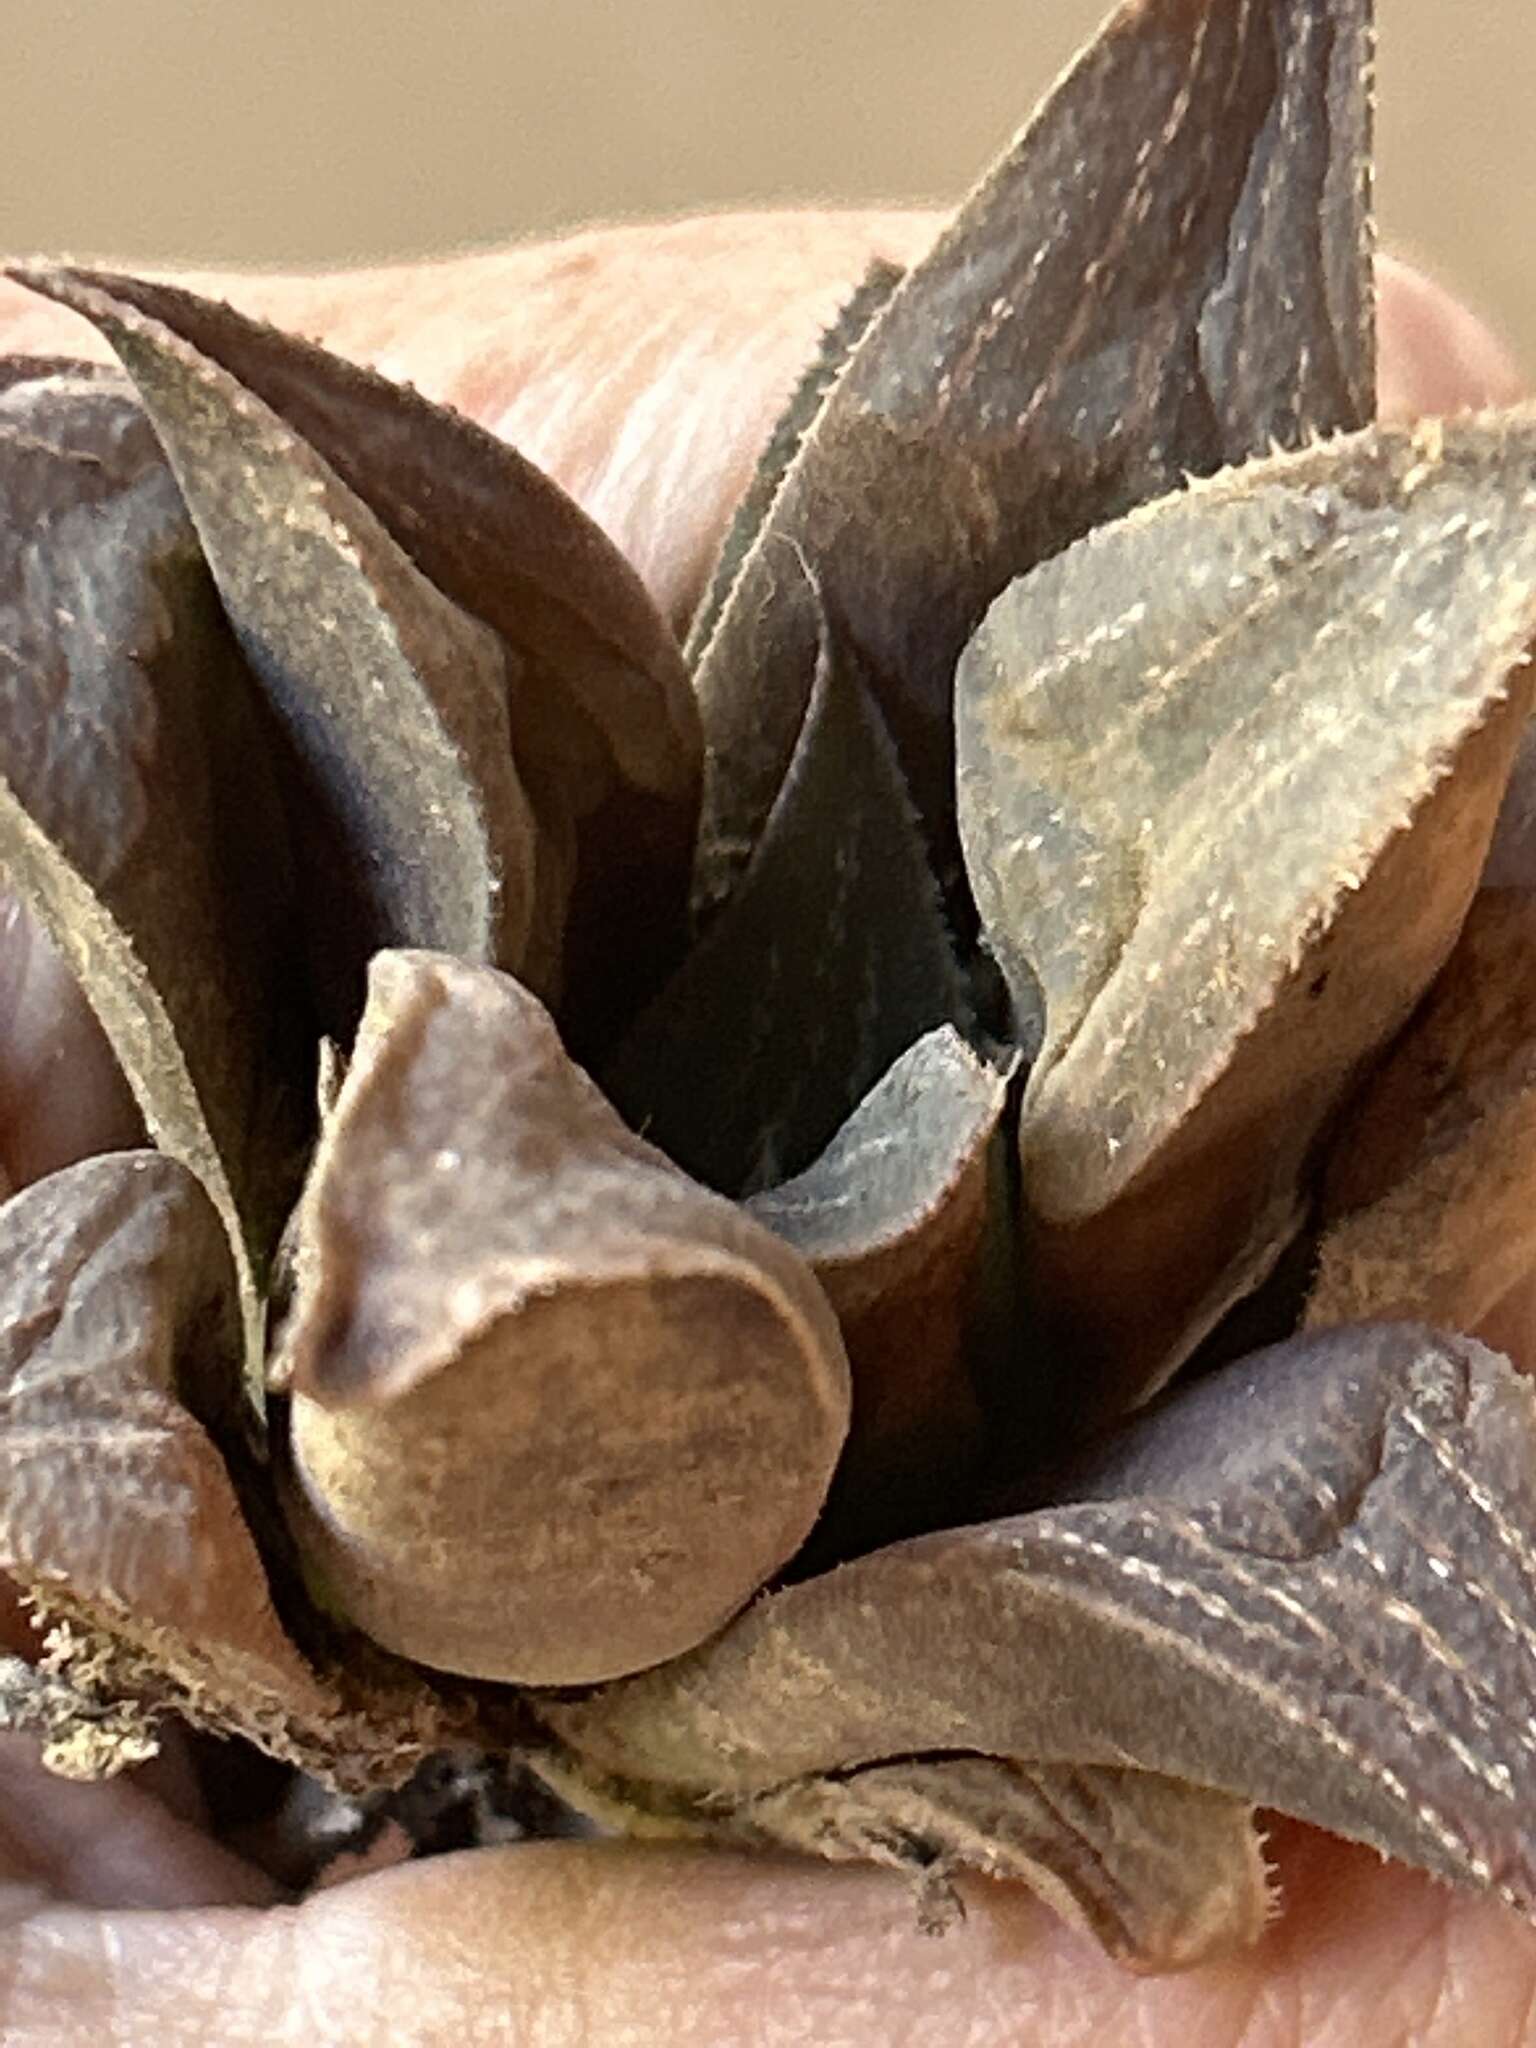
(643, 368)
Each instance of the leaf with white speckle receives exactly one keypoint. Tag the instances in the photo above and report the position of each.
(1227, 775)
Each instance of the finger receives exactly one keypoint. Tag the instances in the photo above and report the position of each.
(1436, 356)
(643, 366)
(659, 1946)
(109, 1844)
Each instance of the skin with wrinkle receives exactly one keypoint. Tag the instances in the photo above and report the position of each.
(573, 1944)
(666, 332)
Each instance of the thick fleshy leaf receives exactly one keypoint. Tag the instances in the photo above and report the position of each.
(1163, 1874)
(1228, 771)
(1307, 1582)
(832, 960)
(139, 818)
(118, 1513)
(604, 725)
(1428, 1209)
(393, 699)
(557, 1410)
(893, 1220)
(1169, 270)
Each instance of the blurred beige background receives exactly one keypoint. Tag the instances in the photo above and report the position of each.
(309, 131)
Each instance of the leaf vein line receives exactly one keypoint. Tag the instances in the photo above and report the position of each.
(1423, 1722)
(1313, 1722)
(1477, 1590)
(1511, 1539)
(1483, 1707)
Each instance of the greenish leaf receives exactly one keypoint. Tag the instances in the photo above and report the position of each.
(1227, 774)
(1168, 270)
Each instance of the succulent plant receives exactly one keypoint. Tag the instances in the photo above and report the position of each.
(864, 1235)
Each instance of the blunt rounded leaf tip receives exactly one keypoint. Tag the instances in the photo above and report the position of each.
(557, 1410)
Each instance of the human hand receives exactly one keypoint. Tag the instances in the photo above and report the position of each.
(643, 369)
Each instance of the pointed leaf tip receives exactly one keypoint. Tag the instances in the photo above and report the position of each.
(1170, 268)
(393, 699)
(602, 719)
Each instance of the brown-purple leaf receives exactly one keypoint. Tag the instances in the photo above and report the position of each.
(393, 699)
(139, 818)
(558, 1411)
(1428, 1207)
(118, 1513)
(831, 960)
(32, 369)
(603, 721)
(1307, 1582)
(893, 1221)
(1169, 270)
(1227, 774)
